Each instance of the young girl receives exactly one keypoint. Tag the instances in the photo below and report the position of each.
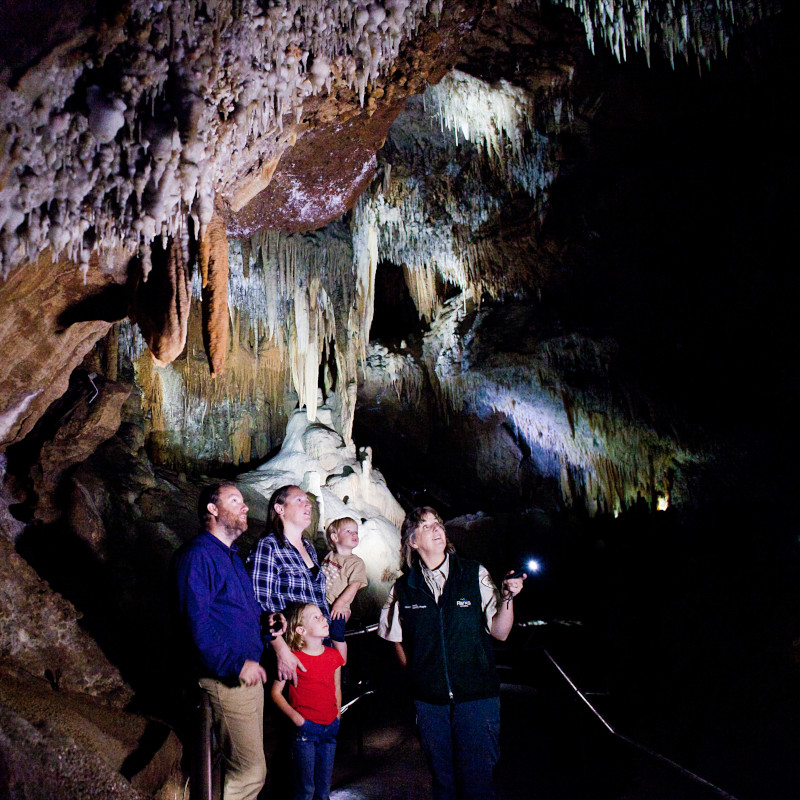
(313, 705)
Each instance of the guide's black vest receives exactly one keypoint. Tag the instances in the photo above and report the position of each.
(450, 657)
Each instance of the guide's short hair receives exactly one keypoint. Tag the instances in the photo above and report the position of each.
(408, 533)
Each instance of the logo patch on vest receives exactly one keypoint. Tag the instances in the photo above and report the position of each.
(414, 607)
(463, 603)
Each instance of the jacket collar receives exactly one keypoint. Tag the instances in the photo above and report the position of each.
(416, 580)
(232, 549)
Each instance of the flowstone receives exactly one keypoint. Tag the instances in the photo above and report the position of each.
(343, 483)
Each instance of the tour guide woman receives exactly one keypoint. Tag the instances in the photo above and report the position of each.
(284, 568)
(440, 614)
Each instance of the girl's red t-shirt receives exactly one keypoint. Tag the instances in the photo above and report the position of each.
(315, 694)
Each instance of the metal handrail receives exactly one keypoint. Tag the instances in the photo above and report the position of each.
(348, 705)
(687, 773)
(361, 631)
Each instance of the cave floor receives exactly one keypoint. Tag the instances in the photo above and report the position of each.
(540, 758)
(552, 748)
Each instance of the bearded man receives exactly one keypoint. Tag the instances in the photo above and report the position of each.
(219, 613)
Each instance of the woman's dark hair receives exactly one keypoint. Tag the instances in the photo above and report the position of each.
(274, 522)
(408, 534)
(210, 494)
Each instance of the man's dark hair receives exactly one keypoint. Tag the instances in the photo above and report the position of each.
(210, 494)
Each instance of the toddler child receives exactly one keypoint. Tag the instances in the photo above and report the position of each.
(345, 574)
(314, 704)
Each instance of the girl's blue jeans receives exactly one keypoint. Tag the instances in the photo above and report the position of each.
(313, 750)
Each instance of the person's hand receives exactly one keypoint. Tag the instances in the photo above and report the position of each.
(252, 673)
(301, 722)
(288, 664)
(277, 624)
(512, 586)
(340, 611)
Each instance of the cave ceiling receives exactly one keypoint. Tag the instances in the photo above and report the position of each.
(212, 191)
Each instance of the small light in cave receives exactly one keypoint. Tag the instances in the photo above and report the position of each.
(534, 566)
(662, 504)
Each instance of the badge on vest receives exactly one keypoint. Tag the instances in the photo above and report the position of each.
(414, 607)
(463, 603)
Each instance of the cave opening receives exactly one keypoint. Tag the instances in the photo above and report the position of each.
(396, 317)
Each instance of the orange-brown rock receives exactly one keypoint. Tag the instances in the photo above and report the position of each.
(71, 745)
(214, 265)
(162, 301)
(90, 418)
(320, 176)
(45, 332)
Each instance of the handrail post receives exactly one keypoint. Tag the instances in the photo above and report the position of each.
(200, 784)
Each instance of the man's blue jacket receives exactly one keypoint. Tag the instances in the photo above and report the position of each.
(217, 606)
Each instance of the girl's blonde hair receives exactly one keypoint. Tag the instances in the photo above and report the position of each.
(335, 527)
(294, 639)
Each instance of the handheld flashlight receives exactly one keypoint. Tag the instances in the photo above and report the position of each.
(532, 567)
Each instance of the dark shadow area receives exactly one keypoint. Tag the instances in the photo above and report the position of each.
(395, 317)
(110, 305)
(153, 738)
(554, 746)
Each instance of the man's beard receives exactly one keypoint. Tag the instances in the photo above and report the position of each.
(233, 524)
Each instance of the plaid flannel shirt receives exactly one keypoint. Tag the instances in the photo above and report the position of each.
(280, 576)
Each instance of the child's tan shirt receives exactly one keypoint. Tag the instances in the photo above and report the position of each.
(340, 571)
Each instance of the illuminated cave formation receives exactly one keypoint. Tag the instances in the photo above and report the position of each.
(342, 483)
(204, 207)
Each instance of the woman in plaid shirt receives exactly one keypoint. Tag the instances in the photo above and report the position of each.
(284, 568)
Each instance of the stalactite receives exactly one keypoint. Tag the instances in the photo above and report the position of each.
(312, 290)
(439, 190)
(112, 353)
(497, 117)
(162, 302)
(397, 370)
(213, 255)
(239, 416)
(305, 295)
(110, 160)
(422, 287)
(677, 27)
(601, 450)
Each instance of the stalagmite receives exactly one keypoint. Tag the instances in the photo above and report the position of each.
(213, 255)
(316, 458)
